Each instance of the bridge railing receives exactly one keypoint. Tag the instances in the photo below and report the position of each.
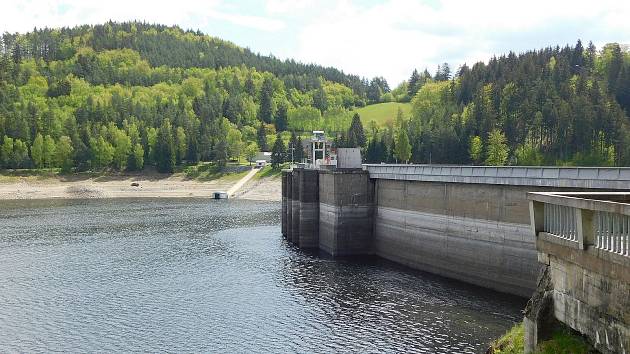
(583, 220)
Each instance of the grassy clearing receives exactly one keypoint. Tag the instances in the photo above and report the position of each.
(563, 341)
(268, 172)
(209, 172)
(382, 113)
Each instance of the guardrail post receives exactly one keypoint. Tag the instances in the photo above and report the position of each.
(585, 228)
(536, 216)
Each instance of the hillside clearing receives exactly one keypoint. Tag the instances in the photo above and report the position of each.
(382, 113)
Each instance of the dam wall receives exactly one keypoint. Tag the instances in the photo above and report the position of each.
(463, 222)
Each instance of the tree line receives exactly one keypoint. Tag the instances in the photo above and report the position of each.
(555, 106)
(125, 95)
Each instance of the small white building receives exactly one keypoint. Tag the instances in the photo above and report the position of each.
(263, 155)
(261, 163)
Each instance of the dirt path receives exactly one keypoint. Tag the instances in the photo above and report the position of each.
(242, 182)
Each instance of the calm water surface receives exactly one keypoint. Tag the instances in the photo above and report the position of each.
(215, 276)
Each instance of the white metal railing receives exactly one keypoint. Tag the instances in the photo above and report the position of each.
(599, 220)
(613, 233)
(560, 221)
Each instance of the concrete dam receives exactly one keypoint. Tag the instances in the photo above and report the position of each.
(464, 222)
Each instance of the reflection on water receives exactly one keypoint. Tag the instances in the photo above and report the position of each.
(202, 275)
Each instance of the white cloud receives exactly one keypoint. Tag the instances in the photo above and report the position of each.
(22, 16)
(389, 38)
(396, 36)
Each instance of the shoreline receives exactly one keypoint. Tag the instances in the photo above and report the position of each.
(120, 186)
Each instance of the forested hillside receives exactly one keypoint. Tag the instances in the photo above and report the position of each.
(566, 106)
(125, 95)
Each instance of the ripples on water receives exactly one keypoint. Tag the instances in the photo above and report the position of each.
(215, 276)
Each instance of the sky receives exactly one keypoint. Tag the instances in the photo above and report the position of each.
(369, 37)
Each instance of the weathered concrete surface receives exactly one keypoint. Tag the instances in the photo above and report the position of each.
(591, 293)
(611, 178)
(309, 209)
(345, 212)
(289, 213)
(295, 206)
(472, 224)
(285, 198)
(475, 233)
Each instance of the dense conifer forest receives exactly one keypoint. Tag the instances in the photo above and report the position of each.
(123, 96)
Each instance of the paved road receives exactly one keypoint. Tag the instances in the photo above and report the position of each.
(242, 182)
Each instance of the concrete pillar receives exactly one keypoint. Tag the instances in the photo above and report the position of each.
(284, 203)
(309, 209)
(346, 207)
(295, 205)
(289, 211)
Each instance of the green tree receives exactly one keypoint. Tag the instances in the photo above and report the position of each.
(122, 149)
(475, 148)
(37, 151)
(414, 84)
(319, 99)
(278, 153)
(180, 143)
(102, 152)
(234, 143)
(282, 119)
(266, 104)
(250, 152)
(497, 147)
(50, 152)
(403, 147)
(293, 147)
(136, 162)
(356, 135)
(165, 148)
(20, 153)
(6, 153)
(261, 138)
(152, 135)
(65, 154)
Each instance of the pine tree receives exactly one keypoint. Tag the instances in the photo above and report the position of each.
(414, 84)
(282, 119)
(294, 147)
(266, 105)
(37, 151)
(356, 135)
(261, 137)
(278, 152)
(165, 148)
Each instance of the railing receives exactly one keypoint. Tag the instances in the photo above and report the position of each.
(613, 233)
(597, 220)
(560, 221)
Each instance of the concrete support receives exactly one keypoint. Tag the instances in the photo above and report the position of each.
(309, 209)
(285, 197)
(289, 211)
(295, 205)
(346, 208)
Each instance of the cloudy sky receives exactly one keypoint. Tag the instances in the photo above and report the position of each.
(367, 37)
